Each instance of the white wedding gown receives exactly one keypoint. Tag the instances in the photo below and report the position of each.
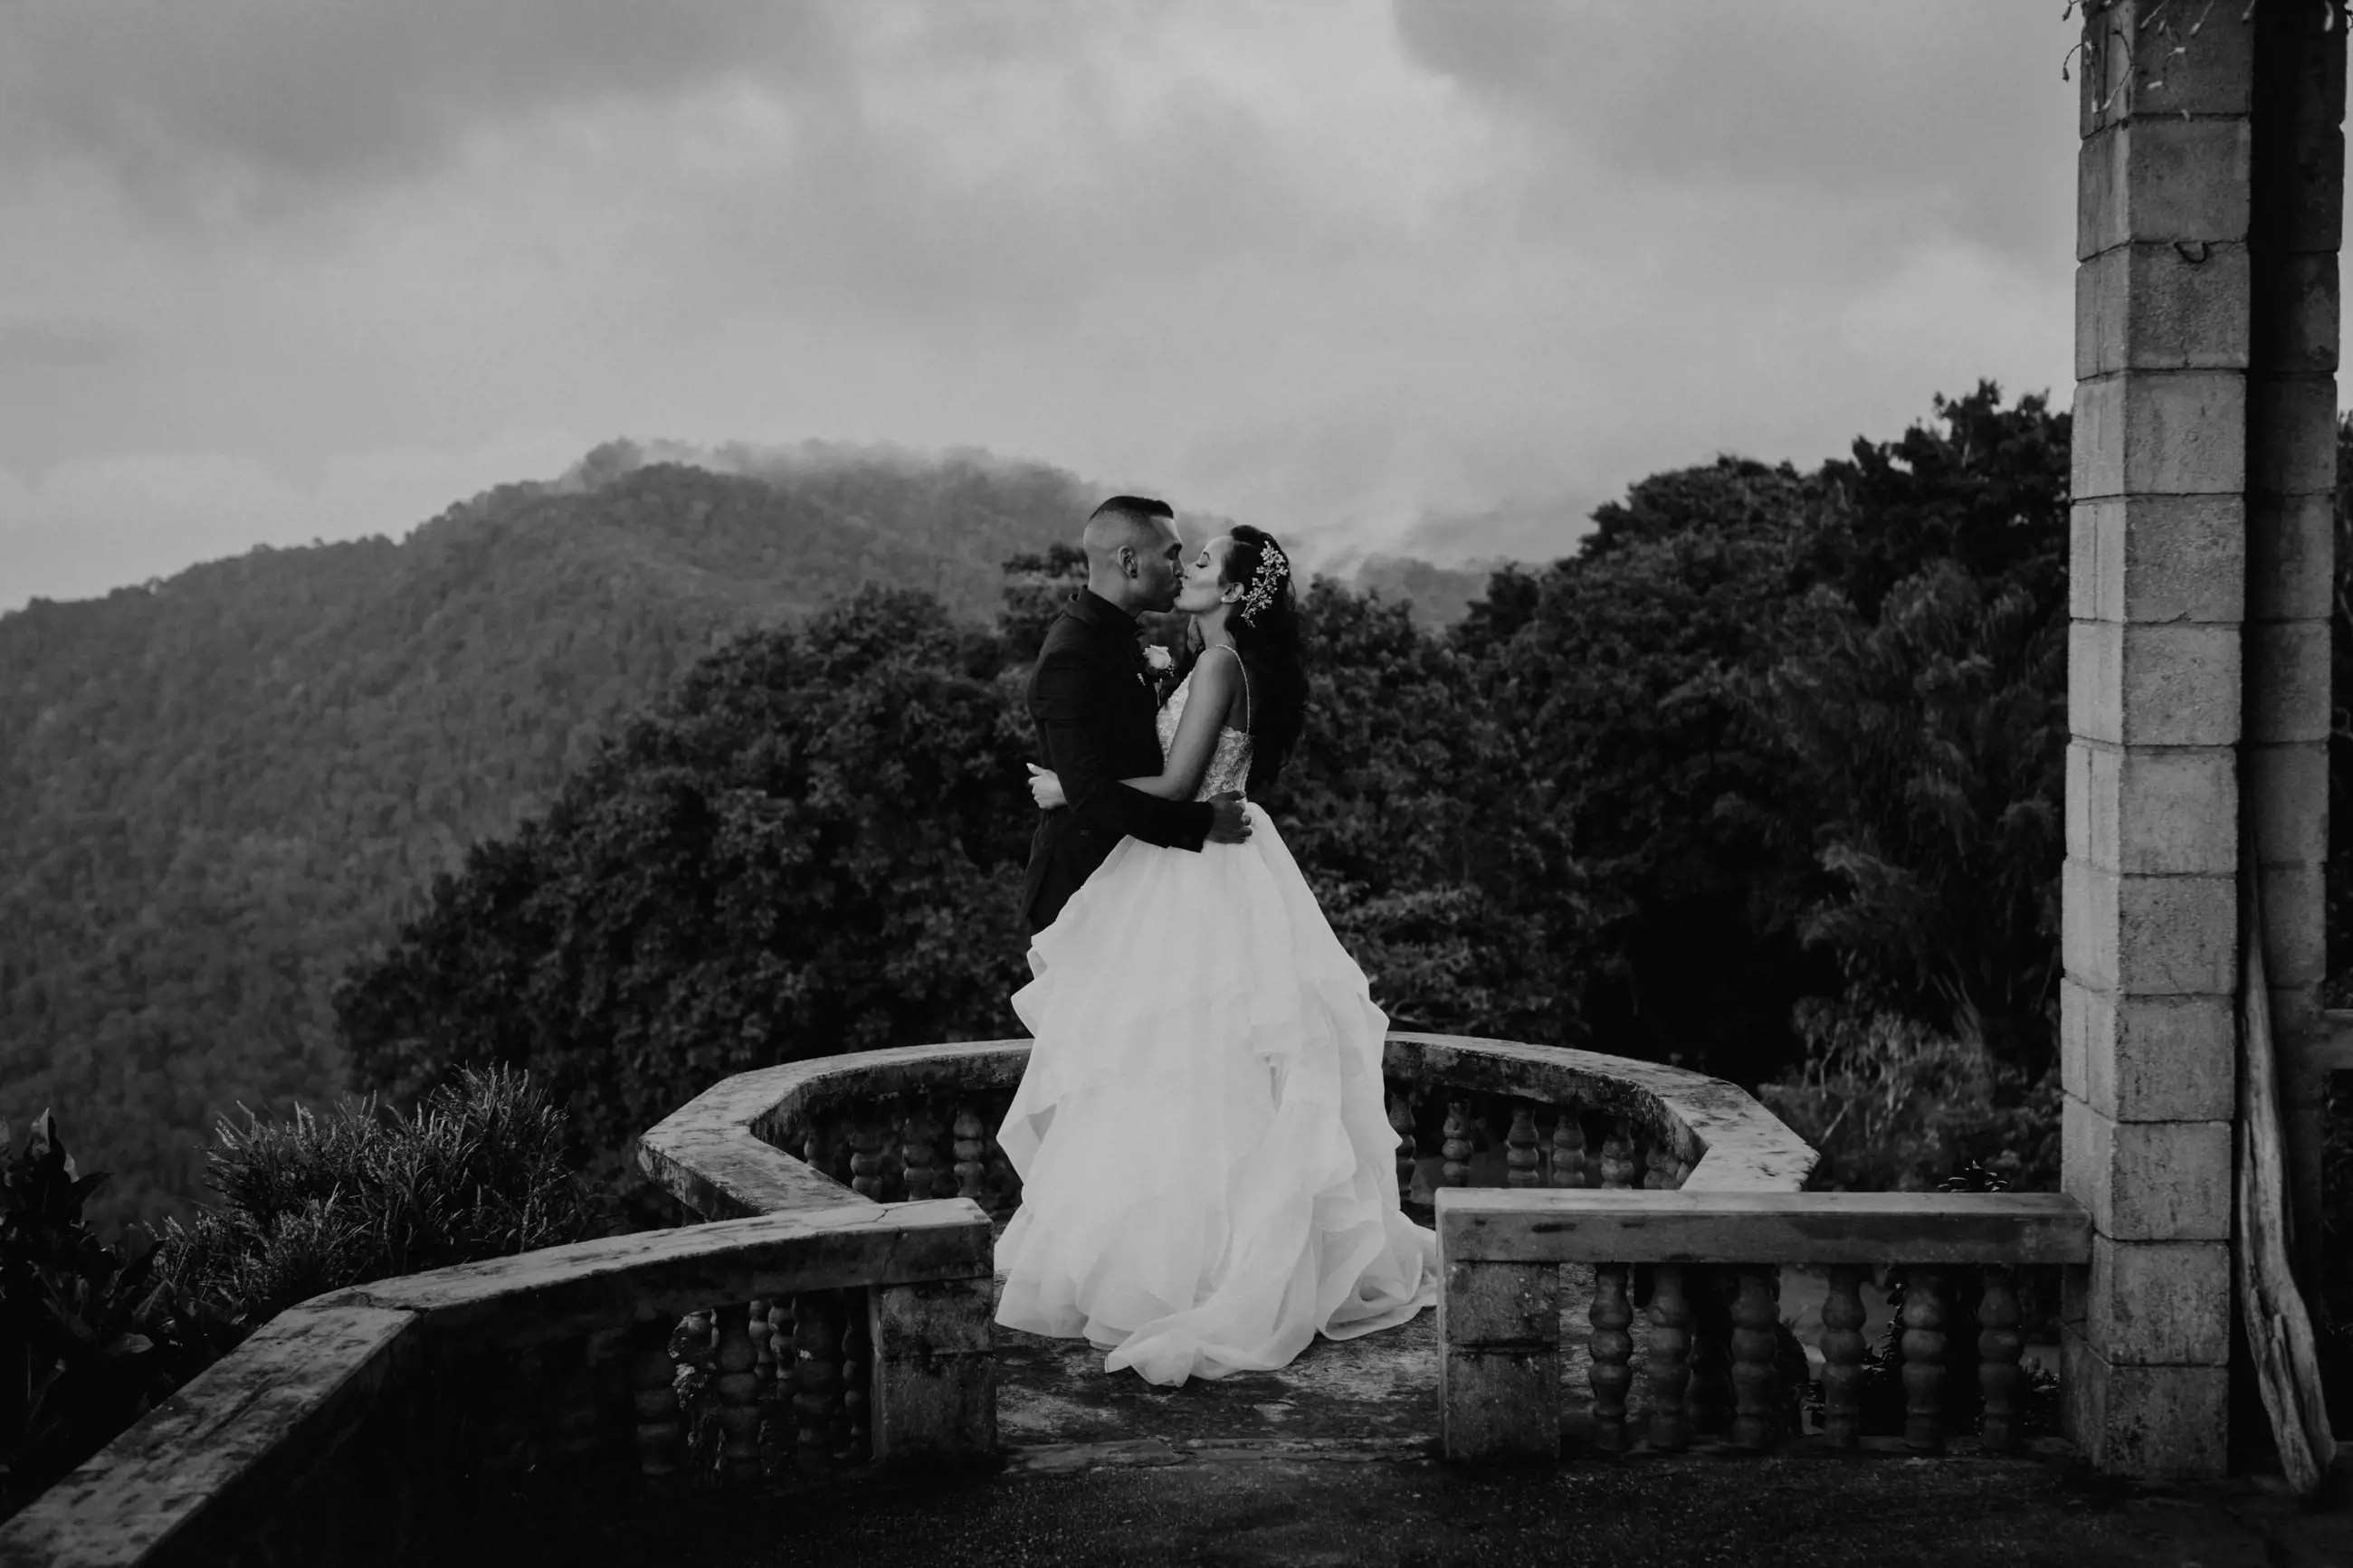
(1208, 1172)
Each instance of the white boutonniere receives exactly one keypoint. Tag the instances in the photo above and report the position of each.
(1158, 659)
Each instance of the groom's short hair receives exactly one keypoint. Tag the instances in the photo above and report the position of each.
(1138, 510)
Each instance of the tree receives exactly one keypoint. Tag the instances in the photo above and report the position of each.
(807, 849)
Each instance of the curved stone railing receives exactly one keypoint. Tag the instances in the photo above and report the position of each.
(843, 1129)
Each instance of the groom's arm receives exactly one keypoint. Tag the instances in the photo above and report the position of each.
(1071, 726)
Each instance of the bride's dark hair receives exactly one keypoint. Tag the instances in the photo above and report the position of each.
(1265, 629)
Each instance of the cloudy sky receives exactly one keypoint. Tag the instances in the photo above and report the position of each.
(1431, 273)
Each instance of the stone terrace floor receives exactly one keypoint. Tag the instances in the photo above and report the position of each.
(1331, 1461)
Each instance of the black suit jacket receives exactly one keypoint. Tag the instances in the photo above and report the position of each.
(1094, 713)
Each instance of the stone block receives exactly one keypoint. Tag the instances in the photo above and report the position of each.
(2153, 1422)
(2299, 69)
(2292, 435)
(2287, 787)
(933, 1398)
(2161, 180)
(2296, 935)
(2160, 1303)
(2173, 685)
(2291, 558)
(2087, 923)
(2147, 1181)
(2129, 69)
(2161, 432)
(2162, 307)
(2148, 936)
(2294, 323)
(1514, 1304)
(946, 1316)
(2148, 1059)
(2167, 811)
(2299, 191)
(2175, 935)
(1498, 1404)
(2287, 681)
(2158, 558)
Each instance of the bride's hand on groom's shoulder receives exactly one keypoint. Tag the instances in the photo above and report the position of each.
(1045, 787)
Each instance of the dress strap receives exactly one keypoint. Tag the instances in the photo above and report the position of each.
(1249, 706)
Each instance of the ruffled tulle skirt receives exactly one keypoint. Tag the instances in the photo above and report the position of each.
(1208, 1174)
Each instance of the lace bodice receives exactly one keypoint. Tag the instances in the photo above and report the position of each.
(1230, 764)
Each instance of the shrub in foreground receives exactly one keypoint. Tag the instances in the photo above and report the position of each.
(1894, 1106)
(322, 1202)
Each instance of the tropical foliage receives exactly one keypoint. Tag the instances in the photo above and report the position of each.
(318, 1203)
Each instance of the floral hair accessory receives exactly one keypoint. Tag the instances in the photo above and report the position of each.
(1274, 570)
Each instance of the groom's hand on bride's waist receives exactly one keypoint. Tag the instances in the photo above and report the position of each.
(1229, 819)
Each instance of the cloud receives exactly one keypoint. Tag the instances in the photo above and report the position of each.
(1923, 111)
(167, 97)
(1363, 273)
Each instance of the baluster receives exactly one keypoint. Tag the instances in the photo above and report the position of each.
(738, 1388)
(1569, 1149)
(1612, 1348)
(1924, 1360)
(1401, 1121)
(2001, 1344)
(1618, 1155)
(1842, 1352)
(1519, 1154)
(853, 1435)
(866, 1160)
(970, 1153)
(1456, 1172)
(1752, 1349)
(919, 1151)
(763, 1365)
(816, 1358)
(1709, 1403)
(662, 1435)
(776, 1334)
(578, 1428)
(1670, 1357)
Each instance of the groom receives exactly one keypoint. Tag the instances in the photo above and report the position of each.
(1094, 705)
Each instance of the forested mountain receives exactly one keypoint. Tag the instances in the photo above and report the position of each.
(216, 790)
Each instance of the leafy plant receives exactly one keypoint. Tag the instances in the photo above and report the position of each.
(81, 1353)
(1892, 1103)
(321, 1202)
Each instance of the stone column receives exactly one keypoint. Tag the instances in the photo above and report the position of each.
(2148, 1043)
(2295, 224)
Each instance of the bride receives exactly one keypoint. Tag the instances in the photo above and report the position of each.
(1208, 1175)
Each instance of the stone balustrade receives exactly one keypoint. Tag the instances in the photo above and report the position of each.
(881, 1125)
(345, 1427)
(836, 1304)
(1714, 1362)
